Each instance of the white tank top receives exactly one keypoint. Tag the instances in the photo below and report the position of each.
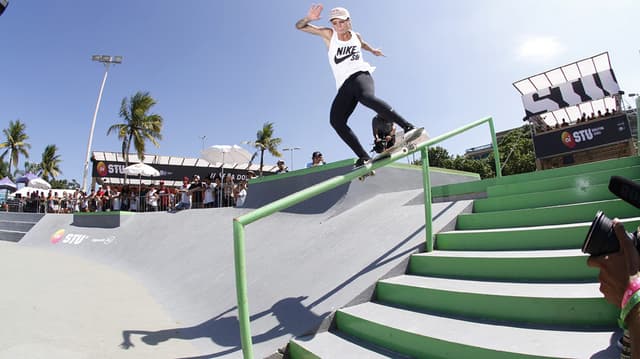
(345, 58)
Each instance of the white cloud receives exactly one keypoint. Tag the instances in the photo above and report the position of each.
(539, 48)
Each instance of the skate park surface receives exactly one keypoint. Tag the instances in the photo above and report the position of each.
(162, 285)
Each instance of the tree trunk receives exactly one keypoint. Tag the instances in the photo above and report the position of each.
(125, 147)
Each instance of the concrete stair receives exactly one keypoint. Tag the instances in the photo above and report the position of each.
(14, 225)
(509, 282)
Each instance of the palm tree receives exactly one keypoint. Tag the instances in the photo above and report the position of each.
(15, 143)
(50, 164)
(138, 125)
(4, 168)
(264, 141)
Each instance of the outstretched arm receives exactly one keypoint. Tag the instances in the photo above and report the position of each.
(305, 25)
(366, 46)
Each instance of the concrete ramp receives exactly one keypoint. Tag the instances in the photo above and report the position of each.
(162, 284)
(393, 178)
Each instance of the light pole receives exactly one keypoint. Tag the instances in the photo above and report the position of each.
(106, 60)
(202, 138)
(292, 149)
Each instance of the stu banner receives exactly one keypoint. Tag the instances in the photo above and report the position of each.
(581, 137)
(169, 172)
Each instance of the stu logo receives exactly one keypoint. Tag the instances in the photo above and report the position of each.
(571, 139)
(346, 52)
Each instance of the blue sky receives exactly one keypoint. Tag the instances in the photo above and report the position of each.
(221, 69)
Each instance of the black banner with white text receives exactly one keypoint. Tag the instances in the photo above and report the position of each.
(167, 172)
(581, 137)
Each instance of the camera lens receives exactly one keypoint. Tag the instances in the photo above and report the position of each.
(601, 239)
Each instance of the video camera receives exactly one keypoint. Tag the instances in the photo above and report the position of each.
(601, 238)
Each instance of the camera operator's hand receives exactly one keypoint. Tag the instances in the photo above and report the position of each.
(617, 269)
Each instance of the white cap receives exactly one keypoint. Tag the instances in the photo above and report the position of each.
(339, 13)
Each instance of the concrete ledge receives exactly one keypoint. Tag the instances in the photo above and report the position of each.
(101, 219)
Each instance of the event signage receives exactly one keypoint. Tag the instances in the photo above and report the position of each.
(581, 137)
(168, 172)
(587, 88)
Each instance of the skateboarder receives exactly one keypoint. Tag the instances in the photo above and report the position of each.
(352, 75)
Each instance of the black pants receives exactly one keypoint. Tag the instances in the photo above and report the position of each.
(359, 88)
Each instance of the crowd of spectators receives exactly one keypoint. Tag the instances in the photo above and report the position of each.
(584, 118)
(194, 193)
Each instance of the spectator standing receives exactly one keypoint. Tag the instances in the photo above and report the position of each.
(316, 160)
(163, 194)
(217, 191)
(209, 199)
(196, 189)
(185, 199)
(227, 191)
(152, 198)
(240, 193)
(133, 201)
(107, 195)
(281, 167)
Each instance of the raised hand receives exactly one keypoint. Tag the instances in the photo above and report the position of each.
(314, 12)
(377, 52)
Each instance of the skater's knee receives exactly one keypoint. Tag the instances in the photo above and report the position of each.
(338, 123)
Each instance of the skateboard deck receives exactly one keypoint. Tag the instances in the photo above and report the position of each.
(404, 145)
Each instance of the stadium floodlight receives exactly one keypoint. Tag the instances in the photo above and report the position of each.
(106, 60)
(291, 149)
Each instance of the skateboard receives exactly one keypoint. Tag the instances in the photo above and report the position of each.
(404, 145)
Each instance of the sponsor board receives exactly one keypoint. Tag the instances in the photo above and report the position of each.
(170, 172)
(584, 136)
(63, 237)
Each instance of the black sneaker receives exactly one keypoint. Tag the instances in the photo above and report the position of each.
(362, 161)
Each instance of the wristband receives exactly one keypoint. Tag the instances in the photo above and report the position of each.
(632, 288)
(629, 305)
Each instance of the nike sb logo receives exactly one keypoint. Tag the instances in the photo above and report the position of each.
(346, 52)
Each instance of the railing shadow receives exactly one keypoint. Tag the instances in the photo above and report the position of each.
(293, 318)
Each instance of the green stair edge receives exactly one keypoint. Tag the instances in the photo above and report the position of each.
(542, 216)
(515, 269)
(564, 312)
(599, 192)
(555, 183)
(482, 185)
(412, 344)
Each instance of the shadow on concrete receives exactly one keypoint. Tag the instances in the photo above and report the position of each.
(293, 318)
(612, 351)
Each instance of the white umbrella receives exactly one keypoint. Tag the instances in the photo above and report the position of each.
(141, 169)
(39, 183)
(226, 154)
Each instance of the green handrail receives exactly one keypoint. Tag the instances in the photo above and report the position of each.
(240, 222)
